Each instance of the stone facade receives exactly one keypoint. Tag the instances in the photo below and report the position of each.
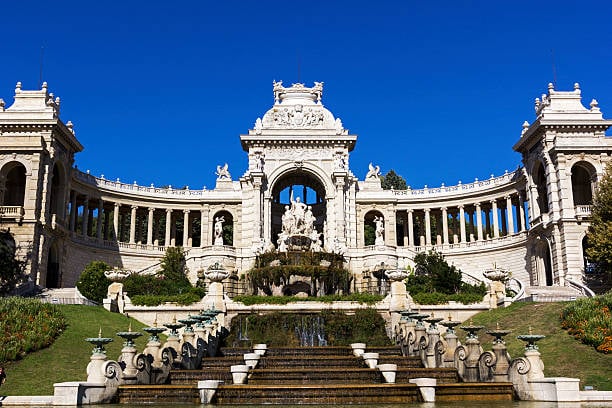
(531, 221)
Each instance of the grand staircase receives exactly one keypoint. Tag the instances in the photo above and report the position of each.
(312, 375)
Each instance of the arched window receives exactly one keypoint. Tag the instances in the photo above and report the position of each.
(369, 227)
(57, 193)
(582, 183)
(539, 177)
(14, 184)
(223, 228)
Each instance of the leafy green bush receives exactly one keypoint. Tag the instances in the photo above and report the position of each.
(364, 298)
(590, 321)
(192, 295)
(27, 325)
(92, 283)
(437, 282)
(11, 268)
(437, 298)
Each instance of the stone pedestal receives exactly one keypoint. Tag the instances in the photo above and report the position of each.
(95, 368)
(130, 372)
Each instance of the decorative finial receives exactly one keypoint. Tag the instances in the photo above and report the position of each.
(44, 86)
(18, 87)
(594, 105)
(551, 87)
(130, 327)
(155, 321)
(530, 331)
(497, 325)
(450, 317)
(576, 86)
(100, 332)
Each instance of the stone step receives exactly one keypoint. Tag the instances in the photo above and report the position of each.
(442, 375)
(317, 375)
(158, 394)
(551, 293)
(191, 377)
(474, 391)
(316, 394)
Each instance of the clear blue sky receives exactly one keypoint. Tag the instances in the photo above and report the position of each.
(159, 92)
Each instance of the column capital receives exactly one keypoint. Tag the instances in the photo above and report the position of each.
(168, 210)
(117, 205)
(187, 211)
(443, 208)
(151, 209)
(461, 206)
(427, 210)
(493, 201)
(134, 207)
(410, 211)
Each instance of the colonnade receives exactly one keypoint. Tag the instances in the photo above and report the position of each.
(143, 225)
(460, 223)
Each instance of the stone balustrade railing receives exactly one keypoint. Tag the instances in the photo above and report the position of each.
(138, 189)
(477, 185)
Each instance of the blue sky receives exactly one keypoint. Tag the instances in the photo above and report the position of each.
(159, 92)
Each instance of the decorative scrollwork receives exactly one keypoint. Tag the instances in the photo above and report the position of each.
(440, 347)
(487, 358)
(460, 353)
(521, 365)
(423, 343)
(112, 370)
(140, 361)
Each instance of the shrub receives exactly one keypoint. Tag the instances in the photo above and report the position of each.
(192, 295)
(92, 283)
(11, 268)
(364, 298)
(589, 320)
(27, 325)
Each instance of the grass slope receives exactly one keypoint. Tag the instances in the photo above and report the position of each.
(66, 359)
(563, 355)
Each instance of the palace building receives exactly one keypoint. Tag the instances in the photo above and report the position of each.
(300, 193)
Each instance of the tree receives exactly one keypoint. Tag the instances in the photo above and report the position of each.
(11, 268)
(394, 181)
(599, 237)
(445, 278)
(92, 283)
(173, 265)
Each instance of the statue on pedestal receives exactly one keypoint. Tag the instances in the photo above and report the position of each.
(219, 230)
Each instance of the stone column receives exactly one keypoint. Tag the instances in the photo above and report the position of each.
(410, 228)
(257, 218)
(462, 222)
(168, 226)
(495, 219)
(479, 221)
(405, 231)
(339, 201)
(204, 212)
(133, 224)
(509, 215)
(116, 220)
(73, 211)
(427, 228)
(150, 219)
(85, 217)
(100, 219)
(186, 228)
(444, 226)
(522, 219)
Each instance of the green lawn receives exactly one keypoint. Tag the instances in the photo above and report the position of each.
(67, 358)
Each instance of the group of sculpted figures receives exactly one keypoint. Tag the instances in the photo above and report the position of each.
(298, 220)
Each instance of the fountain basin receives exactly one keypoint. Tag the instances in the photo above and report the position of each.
(371, 359)
(251, 359)
(240, 373)
(260, 349)
(358, 349)
(388, 371)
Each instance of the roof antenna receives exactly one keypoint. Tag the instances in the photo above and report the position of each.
(40, 75)
(554, 68)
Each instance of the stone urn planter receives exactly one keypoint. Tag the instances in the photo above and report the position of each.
(388, 371)
(371, 359)
(251, 359)
(260, 349)
(240, 373)
(358, 349)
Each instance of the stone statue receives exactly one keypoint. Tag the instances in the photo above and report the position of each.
(380, 228)
(223, 173)
(340, 162)
(309, 220)
(298, 209)
(288, 221)
(219, 230)
(258, 126)
(373, 172)
(259, 161)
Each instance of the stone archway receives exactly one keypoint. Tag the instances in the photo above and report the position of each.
(53, 278)
(539, 178)
(544, 263)
(13, 176)
(584, 177)
(300, 186)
